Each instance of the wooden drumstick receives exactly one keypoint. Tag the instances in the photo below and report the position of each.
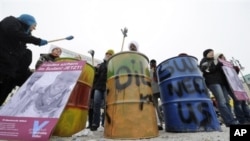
(67, 38)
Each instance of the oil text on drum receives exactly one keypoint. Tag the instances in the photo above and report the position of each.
(129, 92)
(134, 100)
(139, 80)
(128, 63)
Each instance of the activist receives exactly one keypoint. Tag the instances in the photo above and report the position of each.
(49, 57)
(241, 109)
(133, 46)
(99, 90)
(216, 83)
(156, 92)
(15, 33)
(91, 101)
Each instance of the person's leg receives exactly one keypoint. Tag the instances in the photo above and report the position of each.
(6, 86)
(90, 117)
(103, 112)
(238, 111)
(246, 110)
(219, 95)
(102, 117)
(90, 111)
(96, 110)
(156, 97)
(161, 116)
(228, 98)
(158, 113)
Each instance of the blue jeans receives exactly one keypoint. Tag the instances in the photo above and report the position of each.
(241, 109)
(98, 102)
(246, 109)
(222, 97)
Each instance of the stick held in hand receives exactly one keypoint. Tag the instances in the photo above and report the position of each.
(67, 38)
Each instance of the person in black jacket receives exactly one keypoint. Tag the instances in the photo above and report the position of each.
(91, 101)
(156, 92)
(24, 72)
(15, 32)
(99, 90)
(216, 83)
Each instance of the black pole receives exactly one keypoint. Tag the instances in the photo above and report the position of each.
(92, 53)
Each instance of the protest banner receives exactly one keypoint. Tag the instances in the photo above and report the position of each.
(234, 81)
(34, 110)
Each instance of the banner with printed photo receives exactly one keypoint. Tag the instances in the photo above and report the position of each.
(234, 81)
(34, 110)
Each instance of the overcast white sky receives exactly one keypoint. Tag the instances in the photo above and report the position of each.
(162, 28)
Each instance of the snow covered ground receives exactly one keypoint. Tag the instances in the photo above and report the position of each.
(87, 135)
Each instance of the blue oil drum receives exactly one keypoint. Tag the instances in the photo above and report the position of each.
(186, 104)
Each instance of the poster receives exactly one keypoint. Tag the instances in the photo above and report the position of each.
(33, 111)
(234, 81)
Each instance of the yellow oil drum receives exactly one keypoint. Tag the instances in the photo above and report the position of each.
(130, 113)
(75, 114)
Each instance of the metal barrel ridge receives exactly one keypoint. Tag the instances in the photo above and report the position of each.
(130, 113)
(75, 114)
(186, 104)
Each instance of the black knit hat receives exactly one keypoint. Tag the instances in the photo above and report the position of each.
(153, 61)
(206, 52)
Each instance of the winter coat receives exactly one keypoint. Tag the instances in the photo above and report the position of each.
(13, 39)
(24, 72)
(154, 81)
(101, 77)
(212, 73)
(45, 58)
